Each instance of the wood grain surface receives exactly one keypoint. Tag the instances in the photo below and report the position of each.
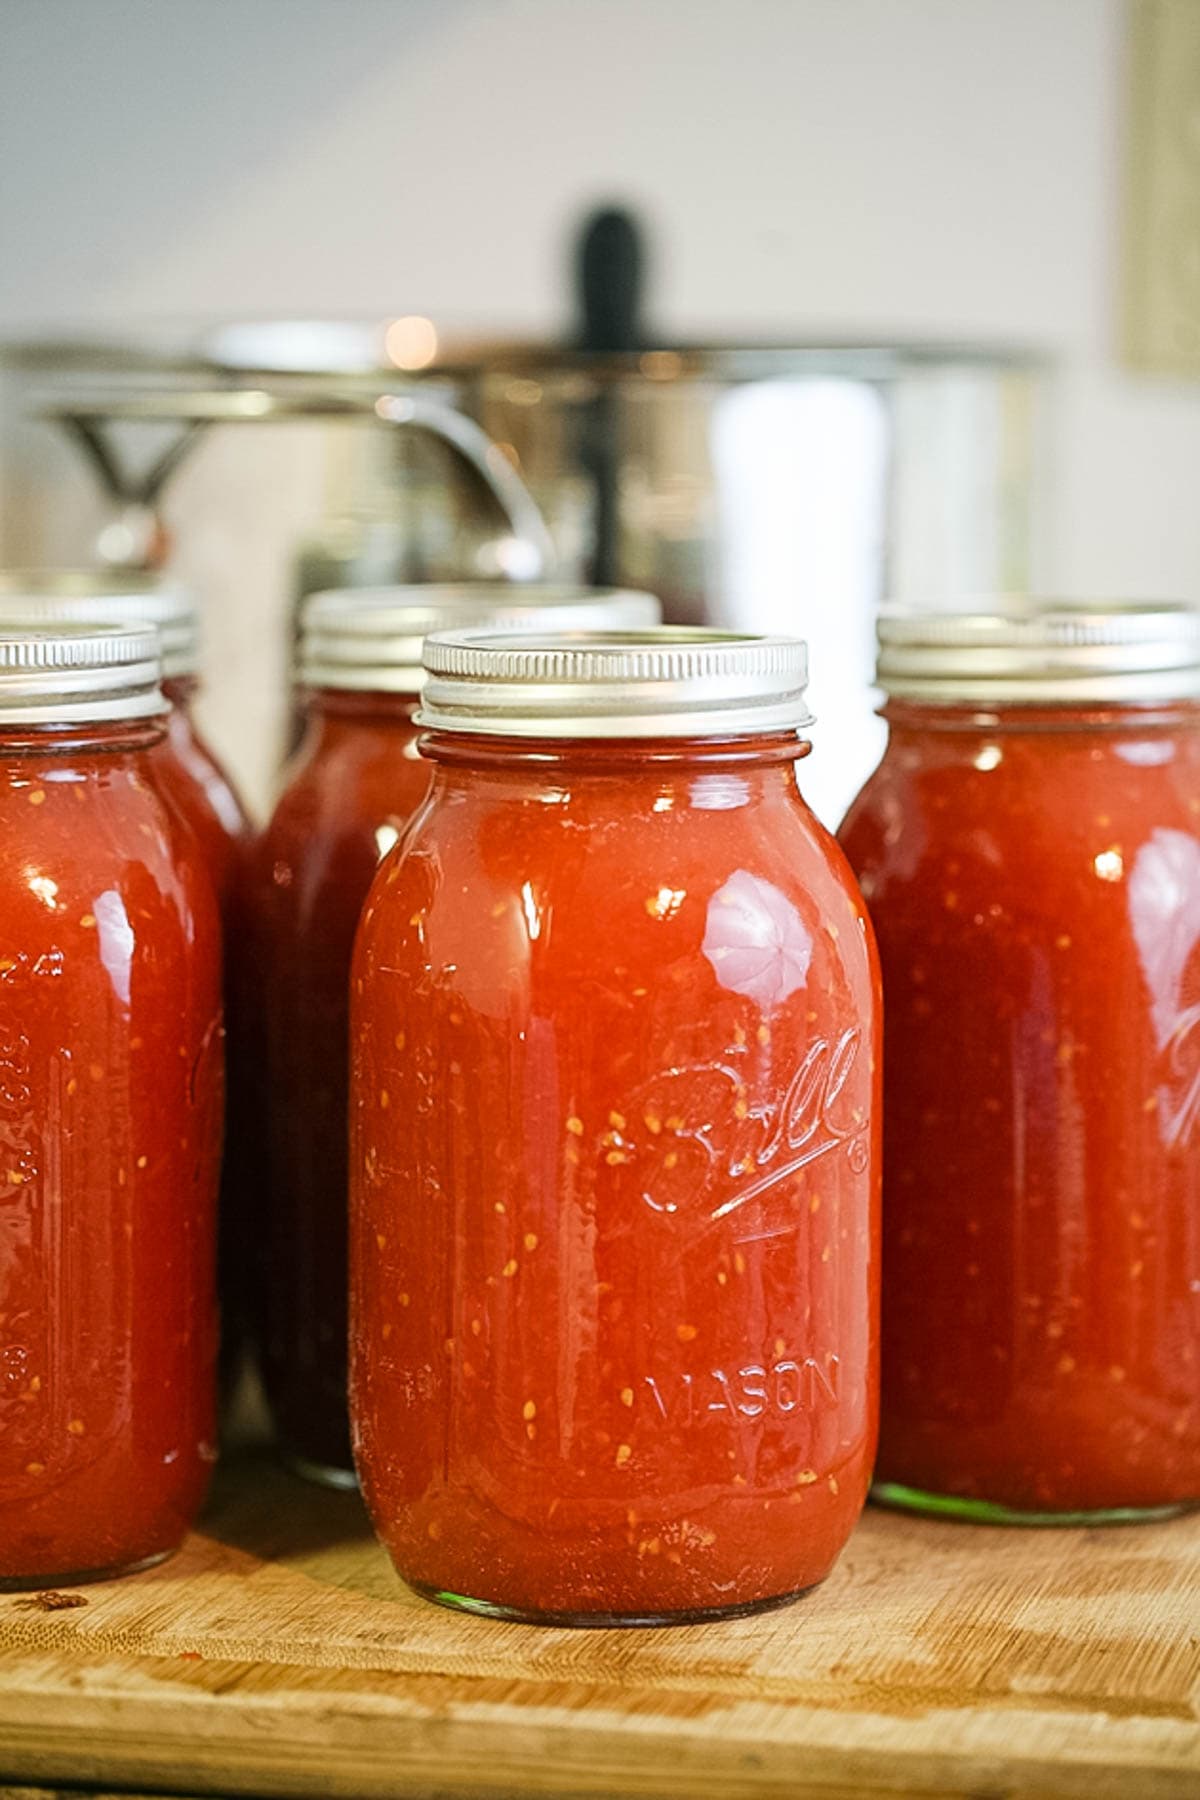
(278, 1654)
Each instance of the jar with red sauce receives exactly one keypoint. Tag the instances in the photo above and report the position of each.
(351, 788)
(110, 1117)
(614, 1142)
(1030, 851)
(194, 779)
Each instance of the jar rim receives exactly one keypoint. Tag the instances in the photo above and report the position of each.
(372, 638)
(63, 674)
(1029, 650)
(47, 598)
(669, 682)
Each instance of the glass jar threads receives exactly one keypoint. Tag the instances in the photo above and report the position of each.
(349, 791)
(110, 1118)
(1030, 850)
(613, 1141)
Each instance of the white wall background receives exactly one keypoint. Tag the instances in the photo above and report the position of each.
(939, 168)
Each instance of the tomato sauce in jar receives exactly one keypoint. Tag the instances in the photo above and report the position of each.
(614, 1152)
(1030, 851)
(191, 776)
(110, 1118)
(349, 791)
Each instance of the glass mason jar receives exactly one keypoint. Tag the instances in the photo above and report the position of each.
(1030, 851)
(349, 791)
(614, 1135)
(190, 773)
(110, 1118)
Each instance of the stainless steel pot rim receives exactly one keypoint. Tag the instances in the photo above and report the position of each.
(463, 357)
(868, 360)
(59, 674)
(671, 682)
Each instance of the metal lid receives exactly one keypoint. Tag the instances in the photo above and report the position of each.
(39, 597)
(670, 683)
(57, 677)
(371, 638)
(1034, 652)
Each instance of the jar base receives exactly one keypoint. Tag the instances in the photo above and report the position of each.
(988, 1512)
(322, 1474)
(33, 1584)
(607, 1621)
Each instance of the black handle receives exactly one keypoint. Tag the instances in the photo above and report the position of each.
(609, 268)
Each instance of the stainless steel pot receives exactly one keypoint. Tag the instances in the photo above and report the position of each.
(777, 488)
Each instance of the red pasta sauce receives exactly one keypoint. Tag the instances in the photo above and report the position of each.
(1034, 879)
(192, 777)
(201, 788)
(351, 789)
(110, 1130)
(347, 794)
(613, 1157)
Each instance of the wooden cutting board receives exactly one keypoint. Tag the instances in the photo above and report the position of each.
(278, 1654)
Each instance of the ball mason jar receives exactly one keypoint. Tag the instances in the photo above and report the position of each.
(191, 774)
(1030, 851)
(110, 1118)
(614, 1141)
(355, 781)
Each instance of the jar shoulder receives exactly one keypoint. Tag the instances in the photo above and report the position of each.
(82, 845)
(595, 886)
(344, 794)
(201, 771)
(1008, 810)
(581, 837)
